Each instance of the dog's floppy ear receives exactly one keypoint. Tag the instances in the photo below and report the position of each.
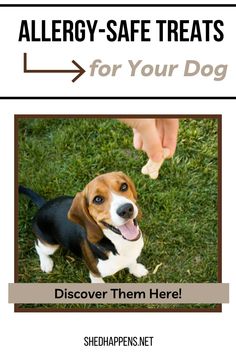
(89, 258)
(79, 214)
(130, 183)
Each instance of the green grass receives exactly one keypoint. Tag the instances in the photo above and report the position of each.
(179, 223)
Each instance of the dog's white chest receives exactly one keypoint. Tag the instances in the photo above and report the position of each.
(128, 252)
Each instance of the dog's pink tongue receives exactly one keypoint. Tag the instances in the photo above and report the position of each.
(129, 230)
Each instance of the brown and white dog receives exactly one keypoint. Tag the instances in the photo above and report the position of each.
(99, 224)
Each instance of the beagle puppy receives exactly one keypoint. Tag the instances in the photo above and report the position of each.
(99, 224)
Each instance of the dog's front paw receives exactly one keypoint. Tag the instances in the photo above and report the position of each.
(96, 280)
(138, 270)
(46, 264)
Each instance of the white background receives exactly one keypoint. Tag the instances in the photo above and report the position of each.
(58, 55)
(63, 332)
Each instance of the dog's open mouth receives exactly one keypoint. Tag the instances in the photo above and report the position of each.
(129, 231)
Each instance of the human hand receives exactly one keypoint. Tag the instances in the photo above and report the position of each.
(154, 135)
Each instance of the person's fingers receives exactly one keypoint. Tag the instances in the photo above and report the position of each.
(146, 137)
(137, 140)
(151, 143)
(170, 135)
(152, 135)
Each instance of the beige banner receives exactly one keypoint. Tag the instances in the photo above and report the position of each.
(115, 293)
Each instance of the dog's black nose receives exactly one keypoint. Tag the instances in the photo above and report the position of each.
(126, 211)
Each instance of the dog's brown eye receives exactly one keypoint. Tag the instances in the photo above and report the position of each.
(98, 199)
(124, 187)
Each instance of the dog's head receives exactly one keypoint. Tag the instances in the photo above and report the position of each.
(108, 202)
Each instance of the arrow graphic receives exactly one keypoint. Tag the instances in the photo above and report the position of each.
(80, 71)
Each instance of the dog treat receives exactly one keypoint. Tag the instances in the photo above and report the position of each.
(152, 168)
